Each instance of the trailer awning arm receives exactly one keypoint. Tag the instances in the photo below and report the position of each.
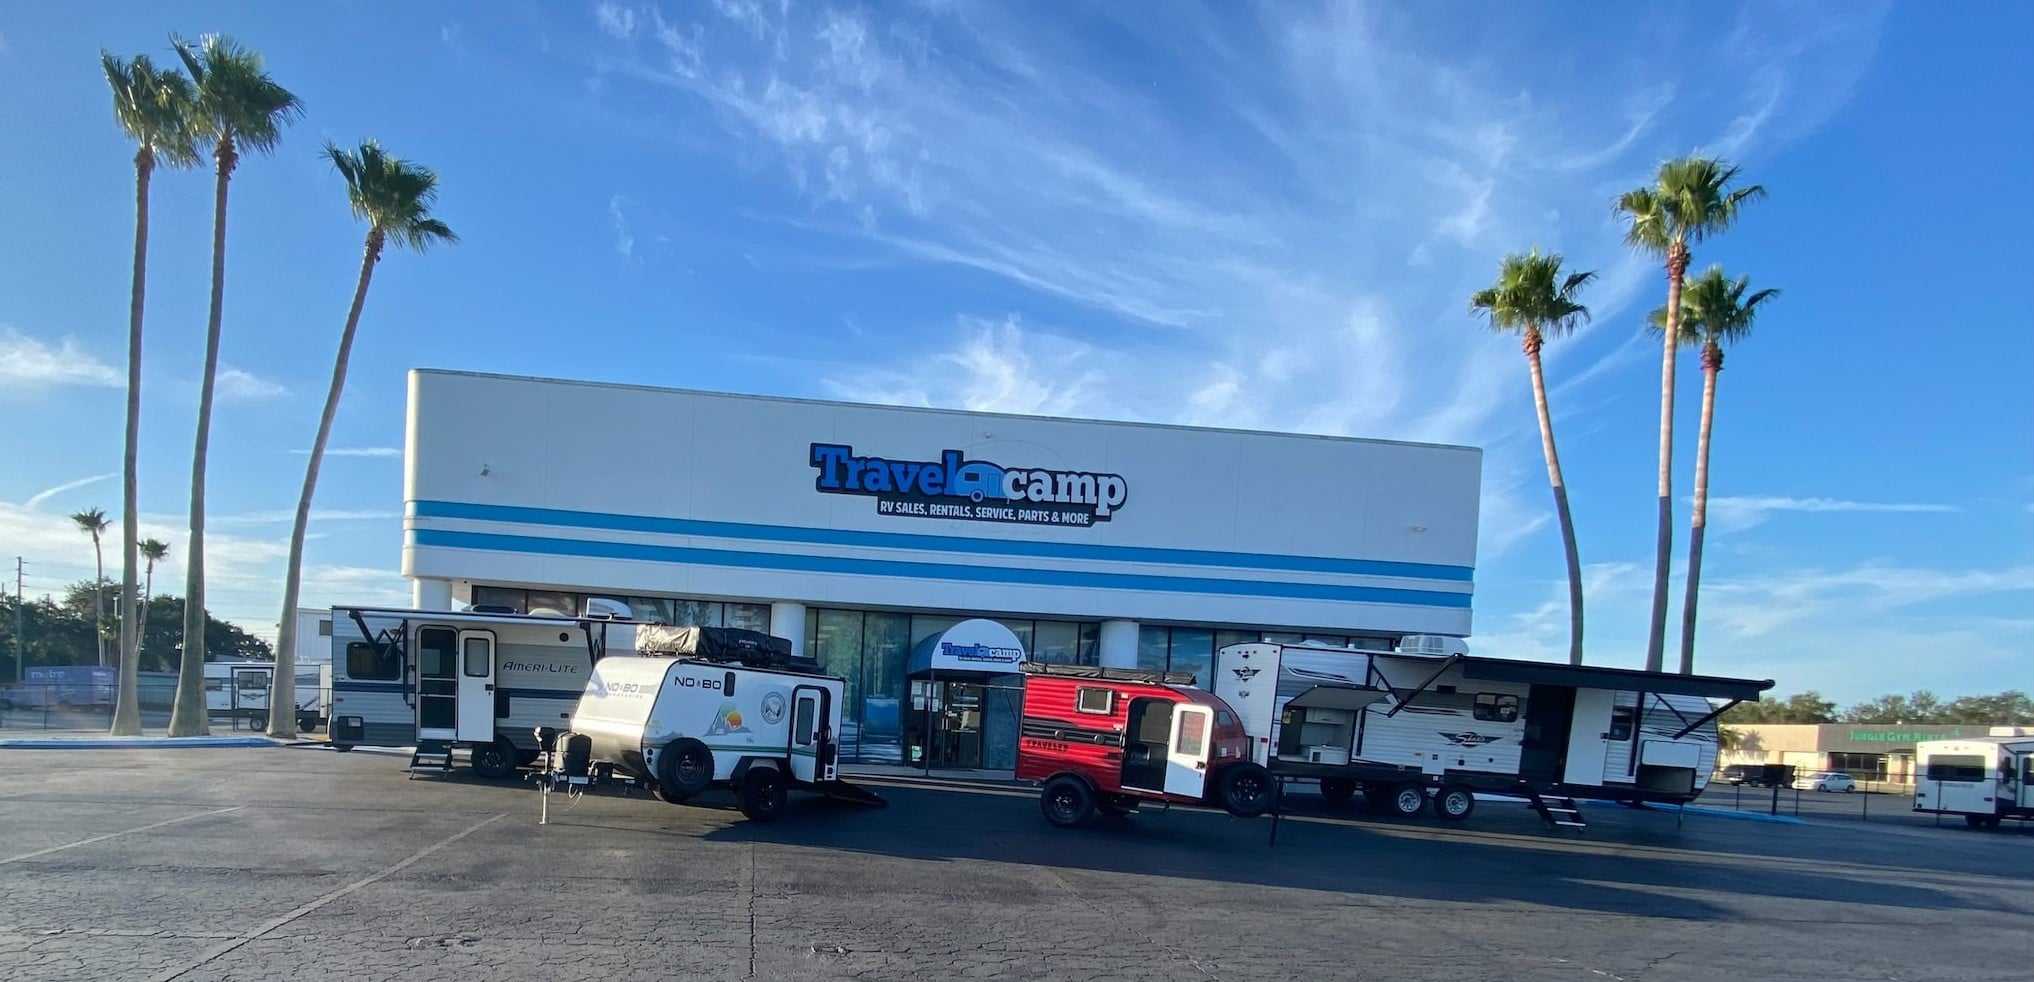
(1691, 727)
(385, 647)
(1404, 700)
(1670, 707)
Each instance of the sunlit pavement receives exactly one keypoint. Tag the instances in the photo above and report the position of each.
(301, 863)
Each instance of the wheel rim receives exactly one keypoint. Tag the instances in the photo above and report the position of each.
(1248, 788)
(688, 768)
(1065, 804)
(1456, 803)
(1410, 800)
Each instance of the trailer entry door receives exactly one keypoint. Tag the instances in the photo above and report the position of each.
(476, 686)
(437, 683)
(810, 740)
(1186, 762)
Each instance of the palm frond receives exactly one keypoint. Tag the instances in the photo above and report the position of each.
(1531, 294)
(391, 194)
(1716, 310)
(235, 95)
(153, 106)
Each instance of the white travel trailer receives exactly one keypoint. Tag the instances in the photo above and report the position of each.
(237, 691)
(755, 721)
(442, 680)
(1430, 720)
(1984, 779)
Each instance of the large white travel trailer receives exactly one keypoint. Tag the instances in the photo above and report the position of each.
(1984, 779)
(752, 720)
(1405, 725)
(442, 680)
(237, 691)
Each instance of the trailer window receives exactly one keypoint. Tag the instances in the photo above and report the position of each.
(251, 681)
(369, 661)
(479, 658)
(801, 723)
(1100, 702)
(1620, 723)
(1956, 767)
(1192, 733)
(1493, 707)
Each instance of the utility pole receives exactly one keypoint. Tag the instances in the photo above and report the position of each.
(20, 641)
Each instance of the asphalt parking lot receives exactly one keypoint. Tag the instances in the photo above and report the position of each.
(302, 863)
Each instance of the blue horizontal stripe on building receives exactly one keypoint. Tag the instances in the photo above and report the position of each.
(937, 543)
(792, 562)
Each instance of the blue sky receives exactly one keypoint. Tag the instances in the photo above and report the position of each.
(1231, 215)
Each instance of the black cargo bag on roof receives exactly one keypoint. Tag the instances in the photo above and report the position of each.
(753, 648)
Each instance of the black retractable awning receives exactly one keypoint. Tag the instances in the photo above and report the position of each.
(1337, 697)
(1627, 679)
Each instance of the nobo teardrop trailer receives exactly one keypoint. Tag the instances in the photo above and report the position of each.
(697, 708)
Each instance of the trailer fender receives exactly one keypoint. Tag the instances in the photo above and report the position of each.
(746, 764)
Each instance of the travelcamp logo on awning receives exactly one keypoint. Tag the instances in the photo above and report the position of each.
(970, 490)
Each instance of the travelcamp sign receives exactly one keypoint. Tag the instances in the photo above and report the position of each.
(956, 487)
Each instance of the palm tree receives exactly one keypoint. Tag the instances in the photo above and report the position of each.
(1532, 298)
(154, 108)
(153, 551)
(237, 106)
(1715, 311)
(92, 522)
(394, 197)
(1690, 200)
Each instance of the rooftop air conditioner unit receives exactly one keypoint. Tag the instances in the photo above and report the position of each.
(604, 609)
(1432, 644)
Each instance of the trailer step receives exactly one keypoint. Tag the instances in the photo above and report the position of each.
(431, 753)
(1558, 811)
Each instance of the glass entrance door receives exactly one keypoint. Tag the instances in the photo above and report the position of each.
(956, 737)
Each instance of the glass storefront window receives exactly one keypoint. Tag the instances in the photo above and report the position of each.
(1193, 652)
(835, 642)
(886, 653)
(695, 613)
(749, 617)
(1151, 644)
(1055, 642)
(554, 604)
(1331, 640)
(652, 610)
(1090, 652)
(926, 625)
(513, 598)
(1020, 628)
(1223, 639)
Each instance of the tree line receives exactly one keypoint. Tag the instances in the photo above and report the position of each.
(2011, 707)
(1691, 200)
(218, 99)
(68, 631)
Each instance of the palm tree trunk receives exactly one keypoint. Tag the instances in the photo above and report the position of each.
(126, 710)
(141, 626)
(188, 717)
(282, 701)
(1656, 639)
(1560, 486)
(99, 599)
(1700, 510)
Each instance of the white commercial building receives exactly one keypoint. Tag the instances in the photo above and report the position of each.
(860, 531)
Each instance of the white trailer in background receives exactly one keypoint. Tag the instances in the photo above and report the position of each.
(238, 691)
(1430, 720)
(1984, 779)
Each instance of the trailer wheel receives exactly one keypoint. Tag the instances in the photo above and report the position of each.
(342, 747)
(1407, 800)
(1455, 803)
(1116, 807)
(763, 795)
(684, 769)
(1245, 790)
(1067, 801)
(1337, 791)
(494, 761)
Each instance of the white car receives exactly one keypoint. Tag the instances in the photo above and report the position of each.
(1825, 781)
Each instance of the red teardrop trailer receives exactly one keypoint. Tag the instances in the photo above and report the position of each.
(1103, 740)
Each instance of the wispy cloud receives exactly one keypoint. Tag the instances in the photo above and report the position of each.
(624, 240)
(1739, 513)
(355, 452)
(240, 385)
(30, 363)
(615, 20)
(278, 516)
(39, 497)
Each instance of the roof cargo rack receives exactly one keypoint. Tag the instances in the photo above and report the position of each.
(730, 644)
(1112, 674)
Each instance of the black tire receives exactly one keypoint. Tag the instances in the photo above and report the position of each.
(684, 769)
(1337, 791)
(1116, 807)
(1244, 790)
(763, 794)
(258, 724)
(1406, 801)
(1067, 801)
(495, 761)
(666, 795)
(1974, 821)
(342, 747)
(1455, 803)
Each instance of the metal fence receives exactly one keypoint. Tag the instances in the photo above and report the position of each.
(88, 707)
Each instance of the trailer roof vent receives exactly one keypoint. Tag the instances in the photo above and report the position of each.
(1432, 644)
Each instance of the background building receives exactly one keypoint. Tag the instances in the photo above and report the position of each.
(1866, 751)
(859, 531)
